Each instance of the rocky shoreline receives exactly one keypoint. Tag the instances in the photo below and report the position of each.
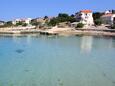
(62, 31)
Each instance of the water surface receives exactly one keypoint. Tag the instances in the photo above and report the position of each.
(57, 61)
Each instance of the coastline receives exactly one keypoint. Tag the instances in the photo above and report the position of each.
(61, 31)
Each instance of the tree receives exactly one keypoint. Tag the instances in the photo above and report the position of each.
(113, 11)
(45, 17)
(19, 23)
(97, 18)
(113, 26)
(97, 15)
(53, 22)
(80, 25)
(72, 19)
(24, 24)
(63, 17)
(9, 23)
(72, 15)
(98, 22)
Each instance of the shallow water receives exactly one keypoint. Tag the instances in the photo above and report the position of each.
(57, 61)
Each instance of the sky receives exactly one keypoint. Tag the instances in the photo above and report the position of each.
(12, 9)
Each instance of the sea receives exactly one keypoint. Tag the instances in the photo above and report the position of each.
(39, 60)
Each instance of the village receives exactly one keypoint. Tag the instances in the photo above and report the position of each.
(84, 22)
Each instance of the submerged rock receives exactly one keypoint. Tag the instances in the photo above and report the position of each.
(113, 82)
(27, 70)
(19, 51)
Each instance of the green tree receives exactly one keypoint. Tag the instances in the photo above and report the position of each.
(45, 17)
(113, 11)
(97, 18)
(9, 23)
(19, 23)
(53, 22)
(80, 25)
(72, 19)
(63, 17)
(98, 22)
(113, 26)
(72, 15)
(24, 24)
(97, 15)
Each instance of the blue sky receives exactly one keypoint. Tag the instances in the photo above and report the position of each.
(11, 9)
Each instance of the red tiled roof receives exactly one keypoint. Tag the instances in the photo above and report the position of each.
(86, 11)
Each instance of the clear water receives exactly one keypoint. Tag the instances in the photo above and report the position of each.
(57, 61)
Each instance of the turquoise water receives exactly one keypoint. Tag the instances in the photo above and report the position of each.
(57, 61)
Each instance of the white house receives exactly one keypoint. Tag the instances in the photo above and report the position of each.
(108, 18)
(85, 17)
(26, 20)
(2, 23)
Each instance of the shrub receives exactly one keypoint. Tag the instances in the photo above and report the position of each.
(53, 22)
(19, 23)
(24, 24)
(98, 22)
(80, 25)
(113, 26)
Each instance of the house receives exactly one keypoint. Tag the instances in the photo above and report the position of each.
(2, 23)
(85, 17)
(26, 20)
(108, 18)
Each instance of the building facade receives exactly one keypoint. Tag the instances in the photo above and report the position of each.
(85, 17)
(2, 23)
(108, 18)
(26, 20)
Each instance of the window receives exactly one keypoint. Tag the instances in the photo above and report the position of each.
(114, 20)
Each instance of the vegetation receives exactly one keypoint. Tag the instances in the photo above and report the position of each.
(98, 22)
(10, 24)
(97, 15)
(24, 24)
(80, 25)
(34, 22)
(53, 22)
(62, 17)
(7, 24)
(45, 17)
(113, 11)
(21, 23)
(97, 18)
(113, 26)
